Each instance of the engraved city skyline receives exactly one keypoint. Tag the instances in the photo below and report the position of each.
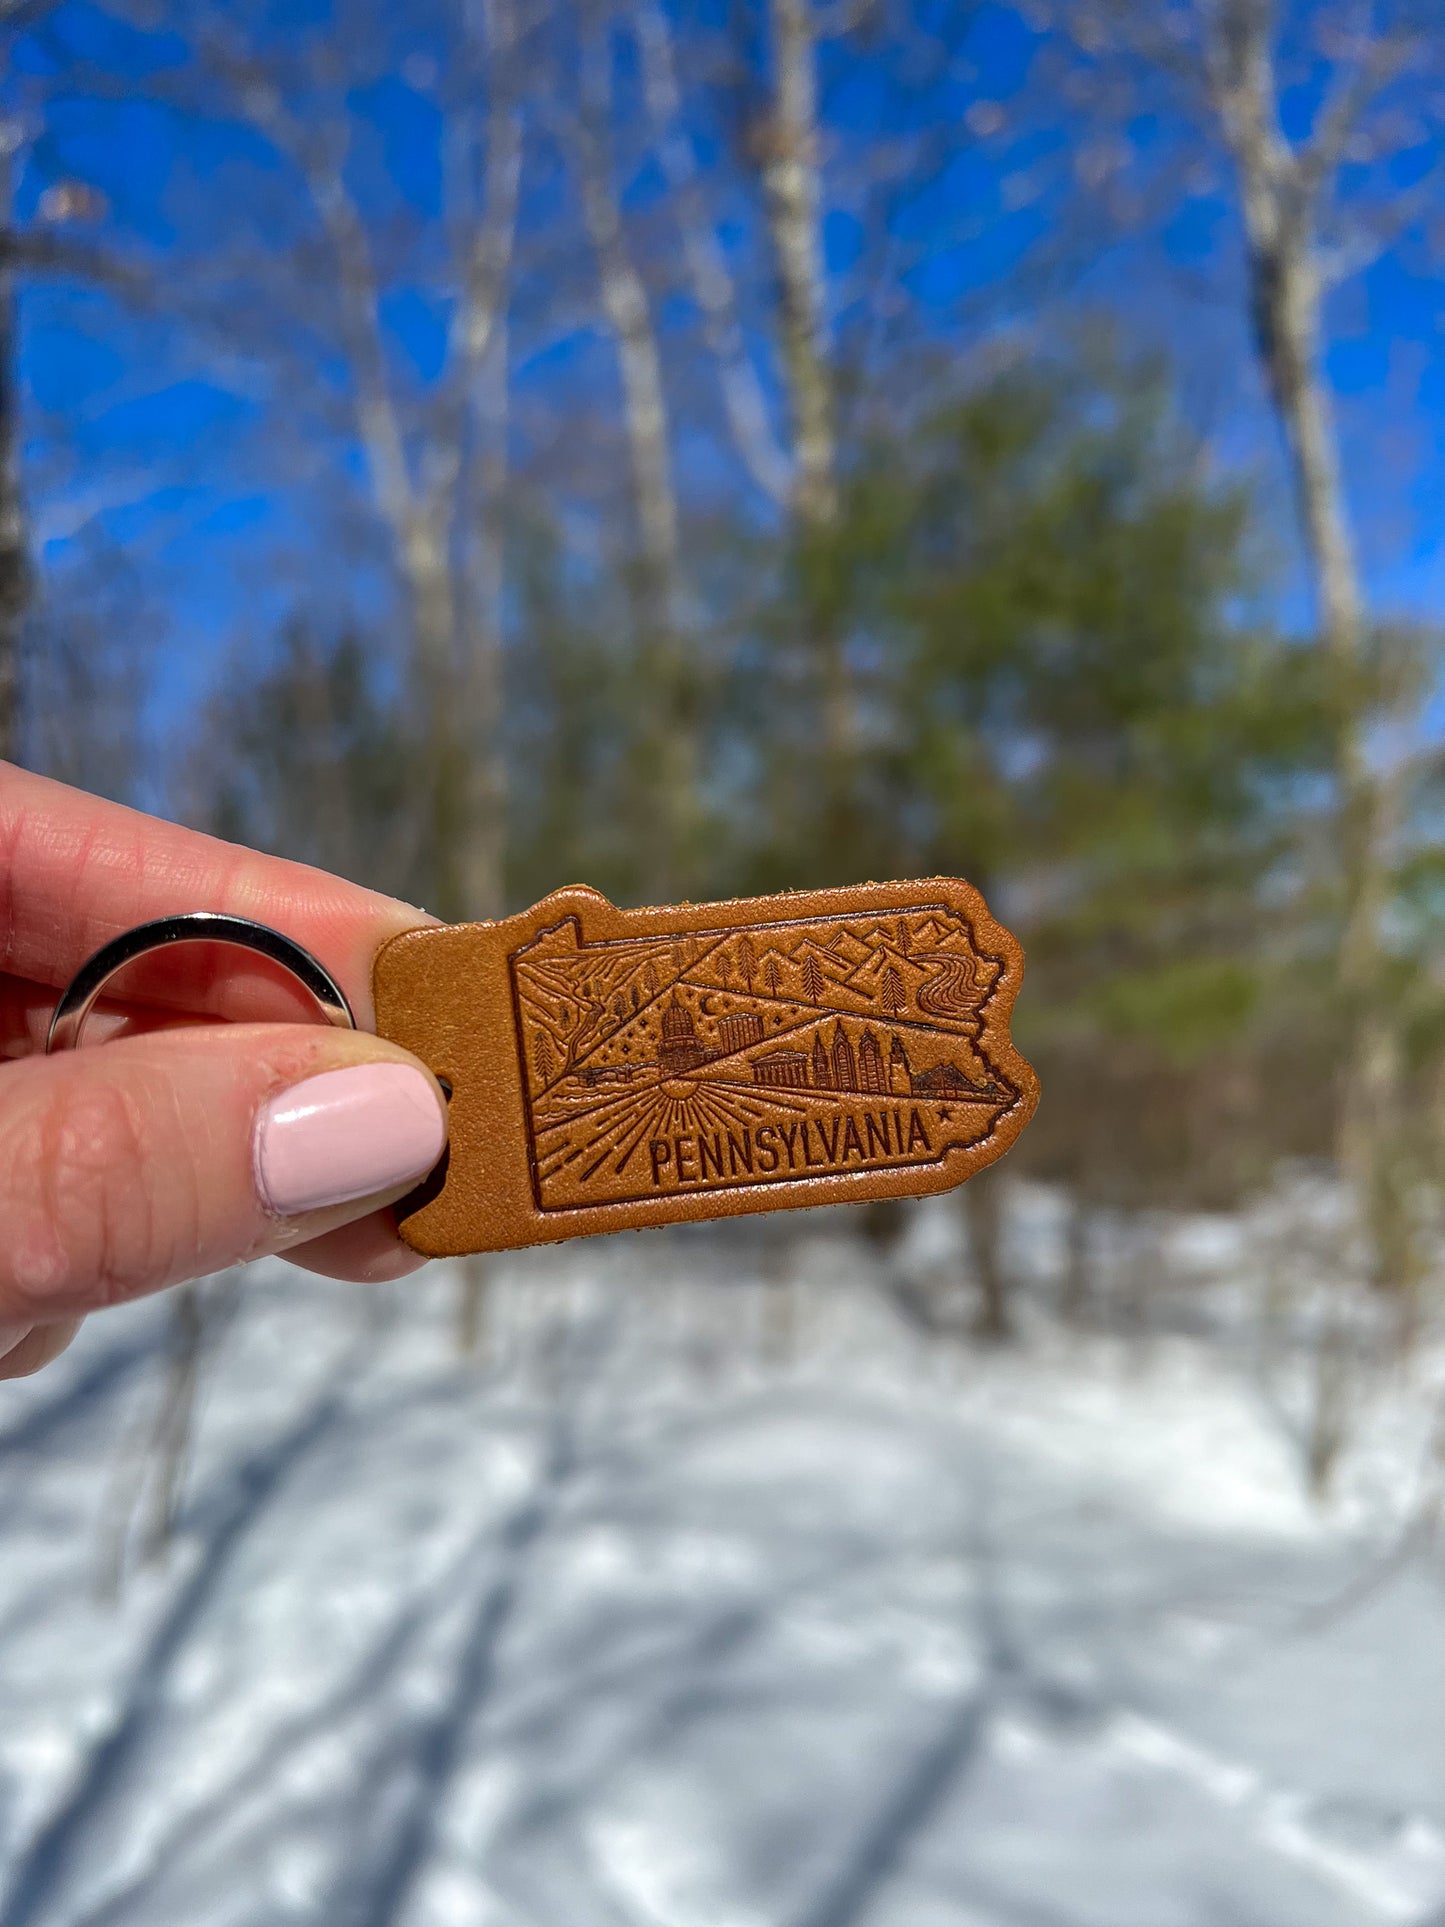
(786, 1050)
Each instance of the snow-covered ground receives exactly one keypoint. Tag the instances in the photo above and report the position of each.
(711, 1594)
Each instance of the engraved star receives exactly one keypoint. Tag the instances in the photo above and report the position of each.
(944, 1114)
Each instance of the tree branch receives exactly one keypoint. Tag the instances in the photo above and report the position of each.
(1351, 98)
(713, 286)
(36, 251)
(483, 245)
(624, 299)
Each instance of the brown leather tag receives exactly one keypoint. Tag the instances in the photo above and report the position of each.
(618, 1068)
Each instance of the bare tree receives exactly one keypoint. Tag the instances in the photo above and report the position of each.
(791, 153)
(1315, 209)
(1283, 189)
(670, 748)
(791, 163)
(796, 473)
(434, 481)
(488, 171)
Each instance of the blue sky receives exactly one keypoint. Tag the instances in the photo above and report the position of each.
(237, 494)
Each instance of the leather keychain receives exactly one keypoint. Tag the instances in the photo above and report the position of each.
(611, 1069)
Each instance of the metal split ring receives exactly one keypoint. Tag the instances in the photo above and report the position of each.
(195, 926)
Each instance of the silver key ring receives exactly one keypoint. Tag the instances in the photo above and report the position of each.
(195, 926)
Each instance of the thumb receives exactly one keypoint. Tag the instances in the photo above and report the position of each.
(158, 1158)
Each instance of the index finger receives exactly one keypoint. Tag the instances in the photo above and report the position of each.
(76, 871)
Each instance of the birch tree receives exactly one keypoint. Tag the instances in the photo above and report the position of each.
(434, 464)
(793, 465)
(669, 750)
(791, 153)
(1316, 207)
(791, 163)
(1285, 191)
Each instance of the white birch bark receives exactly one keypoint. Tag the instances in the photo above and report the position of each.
(794, 201)
(625, 303)
(480, 340)
(1279, 185)
(670, 751)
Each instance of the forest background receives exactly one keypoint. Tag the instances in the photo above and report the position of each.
(476, 445)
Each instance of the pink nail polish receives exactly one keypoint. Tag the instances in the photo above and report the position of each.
(344, 1135)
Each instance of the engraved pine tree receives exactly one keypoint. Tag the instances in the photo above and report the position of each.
(812, 979)
(546, 1065)
(891, 992)
(747, 961)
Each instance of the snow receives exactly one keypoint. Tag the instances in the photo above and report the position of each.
(712, 1594)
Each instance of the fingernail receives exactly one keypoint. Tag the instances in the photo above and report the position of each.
(346, 1134)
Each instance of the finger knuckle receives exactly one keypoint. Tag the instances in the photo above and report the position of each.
(85, 1231)
(36, 1351)
(24, 1362)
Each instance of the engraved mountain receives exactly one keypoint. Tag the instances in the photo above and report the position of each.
(779, 1052)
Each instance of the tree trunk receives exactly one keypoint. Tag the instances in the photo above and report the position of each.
(1074, 1303)
(420, 521)
(1286, 297)
(669, 750)
(1369, 1068)
(793, 199)
(483, 354)
(14, 560)
(790, 181)
(431, 587)
(484, 851)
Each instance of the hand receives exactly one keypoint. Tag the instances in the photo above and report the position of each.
(219, 1121)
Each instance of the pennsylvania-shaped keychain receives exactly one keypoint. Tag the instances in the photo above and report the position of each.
(612, 1069)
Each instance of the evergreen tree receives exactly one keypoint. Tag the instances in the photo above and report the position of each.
(1081, 710)
(1076, 711)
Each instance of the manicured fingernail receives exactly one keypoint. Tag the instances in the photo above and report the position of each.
(345, 1135)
